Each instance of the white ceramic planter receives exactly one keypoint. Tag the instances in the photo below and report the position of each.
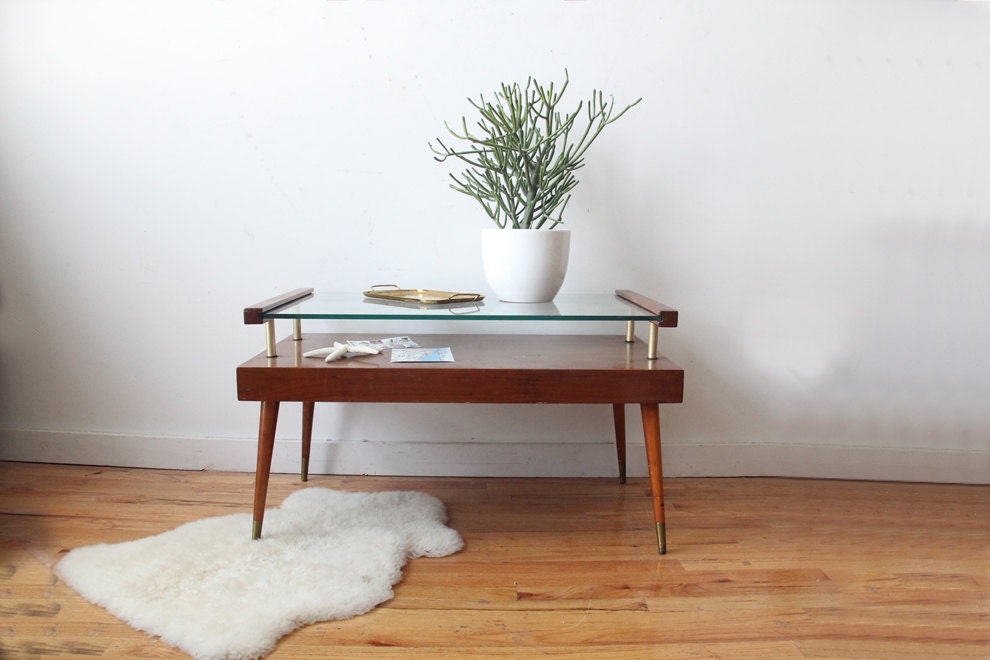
(525, 265)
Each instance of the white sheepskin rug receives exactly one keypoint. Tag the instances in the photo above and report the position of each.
(210, 590)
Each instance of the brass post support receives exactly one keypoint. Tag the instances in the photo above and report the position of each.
(297, 329)
(630, 332)
(651, 351)
(270, 337)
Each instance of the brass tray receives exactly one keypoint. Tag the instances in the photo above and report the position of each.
(422, 296)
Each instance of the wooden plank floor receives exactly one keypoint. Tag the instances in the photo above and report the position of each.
(757, 568)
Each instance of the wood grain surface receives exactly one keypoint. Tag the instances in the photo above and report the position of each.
(758, 568)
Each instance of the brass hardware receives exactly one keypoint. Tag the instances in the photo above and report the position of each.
(297, 329)
(651, 351)
(255, 530)
(630, 332)
(270, 337)
(304, 470)
(662, 537)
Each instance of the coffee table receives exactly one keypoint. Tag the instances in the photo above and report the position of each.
(616, 369)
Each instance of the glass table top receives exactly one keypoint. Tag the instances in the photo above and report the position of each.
(582, 307)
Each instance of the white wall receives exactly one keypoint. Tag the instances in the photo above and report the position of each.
(807, 182)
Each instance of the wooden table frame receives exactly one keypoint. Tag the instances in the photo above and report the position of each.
(604, 369)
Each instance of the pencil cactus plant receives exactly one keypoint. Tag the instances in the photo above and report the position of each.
(523, 151)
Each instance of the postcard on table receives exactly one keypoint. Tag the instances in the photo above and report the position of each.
(386, 342)
(422, 355)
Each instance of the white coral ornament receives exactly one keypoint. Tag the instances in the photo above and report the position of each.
(339, 350)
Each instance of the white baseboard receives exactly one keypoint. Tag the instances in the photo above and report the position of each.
(495, 459)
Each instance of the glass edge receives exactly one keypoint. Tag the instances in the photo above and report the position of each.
(432, 316)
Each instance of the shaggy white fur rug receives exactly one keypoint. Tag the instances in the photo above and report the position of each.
(210, 590)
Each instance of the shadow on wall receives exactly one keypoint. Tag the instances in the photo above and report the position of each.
(892, 353)
(40, 330)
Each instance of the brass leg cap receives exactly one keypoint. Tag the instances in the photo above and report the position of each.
(662, 538)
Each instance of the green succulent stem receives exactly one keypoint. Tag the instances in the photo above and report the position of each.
(521, 155)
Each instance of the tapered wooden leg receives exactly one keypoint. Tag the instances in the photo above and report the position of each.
(619, 415)
(266, 446)
(307, 437)
(651, 430)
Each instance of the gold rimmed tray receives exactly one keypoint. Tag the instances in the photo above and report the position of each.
(422, 296)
